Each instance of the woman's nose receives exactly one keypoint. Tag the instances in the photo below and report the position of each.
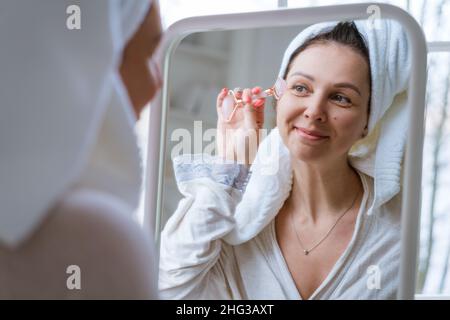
(315, 109)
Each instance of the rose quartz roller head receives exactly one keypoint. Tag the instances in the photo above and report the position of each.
(231, 103)
(276, 91)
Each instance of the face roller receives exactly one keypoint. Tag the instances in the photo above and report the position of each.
(231, 103)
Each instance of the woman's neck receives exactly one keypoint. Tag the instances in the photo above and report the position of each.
(323, 191)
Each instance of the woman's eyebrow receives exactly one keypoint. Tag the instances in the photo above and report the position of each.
(337, 85)
(298, 73)
(348, 85)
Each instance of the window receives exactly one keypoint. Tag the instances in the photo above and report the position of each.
(433, 275)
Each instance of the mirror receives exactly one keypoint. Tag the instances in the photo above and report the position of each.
(233, 232)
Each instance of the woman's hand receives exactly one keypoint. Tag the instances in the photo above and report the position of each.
(238, 139)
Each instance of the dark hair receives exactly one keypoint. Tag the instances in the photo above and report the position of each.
(345, 33)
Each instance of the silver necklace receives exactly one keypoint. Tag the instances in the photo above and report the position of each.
(307, 251)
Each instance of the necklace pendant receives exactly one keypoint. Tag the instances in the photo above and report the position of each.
(306, 252)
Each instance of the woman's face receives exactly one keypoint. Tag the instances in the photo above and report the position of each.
(141, 82)
(324, 110)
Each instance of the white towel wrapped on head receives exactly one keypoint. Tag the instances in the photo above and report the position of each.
(65, 117)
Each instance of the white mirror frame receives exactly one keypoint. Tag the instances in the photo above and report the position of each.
(411, 202)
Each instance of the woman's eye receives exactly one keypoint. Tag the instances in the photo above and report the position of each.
(299, 89)
(341, 100)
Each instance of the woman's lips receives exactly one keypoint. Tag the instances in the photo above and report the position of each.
(310, 134)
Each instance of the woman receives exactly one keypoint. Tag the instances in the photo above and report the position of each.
(322, 226)
(70, 169)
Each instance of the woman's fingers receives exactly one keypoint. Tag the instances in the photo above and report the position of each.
(256, 91)
(219, 105)
(259, 101)
(249, 111)
(222, 94)
(238, 93)
(254, 108)
(252, 105)
(247, 97)
(247, 118)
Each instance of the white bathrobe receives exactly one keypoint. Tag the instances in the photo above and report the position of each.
(196, 263)
(220, 242)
